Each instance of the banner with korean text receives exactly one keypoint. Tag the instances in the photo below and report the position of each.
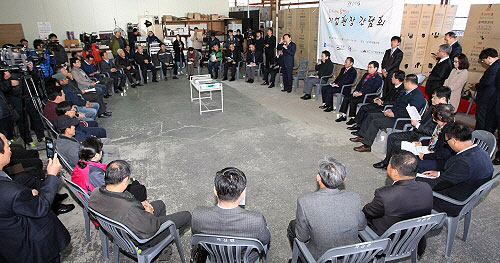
(361, 29)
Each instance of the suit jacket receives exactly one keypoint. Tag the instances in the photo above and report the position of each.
(29, 230)
(81, 78)
(324, 69)
(438, 75)
(255, 57)
(456, 49)
(397, 202)
(234, 55)
(106, 67)
(392, 95)
(369, 86)
(288, 54)
(271, 41)
(139, 58)
(391, 62)
(486, 87)
(346, 78)
(230, 222)
(414, 98)
(328, 218)
(427, 124)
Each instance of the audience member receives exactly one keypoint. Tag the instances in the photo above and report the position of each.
(151, 38)
(55, 95)
(6, 116)
(230, 39)
(85, 84)
(144, 61)
(324, 68)
(463, 173)
(179, 53)
(193, 60)
(83, 129)
(390, 63)
(116, 42)
(486, 92)
(231, 57)
(440, 71)
(24, 42)
(369, 83)
(166, 60)
(254, 59)
(125, 63)
(346, 76)
(108, 66)
(457, 79)
(212, 41)
(269, 47)
(215, 61)
(89, 67)
(274, 68)
(288, 48)
(30, 231)
(424, 127)
(329, 217)
(450, 38)
(381, 120)
(227, 218)
(241, 39)
(129, 53)
(144, 219)
(195, 40)
(89, 109)
(132, 40)
(259, 44)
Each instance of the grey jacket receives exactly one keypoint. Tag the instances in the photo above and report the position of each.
(106, 67)
(328, 218)
(68, 148)
(165, 56)
(81, 78)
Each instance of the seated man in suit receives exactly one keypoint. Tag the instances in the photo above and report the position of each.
(30, 231)
(273, 69)
(378, 104)
(83, 80)
(346, 76)
(324, 68)
(231, 58)
(108, 66)
(93, 71)
(463, 173)
(369, 83)
(329, 217)
(254, 58)
(423, 128)
(227, 218)
(144, 61)
(122, 61)
(381, 120)
(142, 218)
(441, 70)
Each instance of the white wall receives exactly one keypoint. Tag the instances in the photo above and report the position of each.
(96, 15)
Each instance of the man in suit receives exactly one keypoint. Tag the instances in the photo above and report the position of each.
(126, 64)
(269, 46)
(347, 76)
(91, 69)
(254, 58)
(390, 63)
(30, 231)
(381, 120)
(369, 83)
(288, 48)
(441, 70)
(463, 173)
(227, 218)
(273, 70)
(450, 38)
(486, 92)
(84, 82)
(324, 68)
(404, 199)
(329, 217)
(424, 127)
(379, 103)
(108, 66)
(144, 61)
(231, 58)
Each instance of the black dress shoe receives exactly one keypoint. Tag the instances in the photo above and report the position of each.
(306, 97)
(102, 115)
(496, 161)
(233, 79)
(328, 109)
(59, 197)
(106, 96)
(265, 83)
(355, 133)
(271, 86)
(323, 106)
(283, 90)
(351, 122)
(224, 79)
(134, 86)
(138, 84)
(289, 91)
(341, 118)
(108, 113)
(154, 80)
(354, 127)
(166, 78)
(175, 77)
(62, 208)
(380, 165)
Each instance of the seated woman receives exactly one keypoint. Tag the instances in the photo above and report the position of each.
(440, 151)
(89, 172)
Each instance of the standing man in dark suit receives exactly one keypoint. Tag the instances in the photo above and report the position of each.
(440, 72)
(329, 217)
(404, 199)
(463, 173)
(381, 120)
(487, 92)
(346, 76)
(269, 47)
(369, 83)
(390, 63)
(496, 161)
(324, 68)
(30, 231)
(288, 48)
(227, 218)
(450, 38)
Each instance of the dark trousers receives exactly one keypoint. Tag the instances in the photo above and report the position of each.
(182, 220)
(287, 78)
(94, 97)
(213, 69)
(29, 159)
(365, 110)
(164, 69)
(481, 110)
(394, 142)
(492, 121)
(272, 72)
(373, 123)
(388, 83)
(7, 127)
(351, 102)
(119, 79)
(233, 69)
(327, 94)
(145, 68)
(108, 82)
(135, 73)
(24, 123)
(269, 57)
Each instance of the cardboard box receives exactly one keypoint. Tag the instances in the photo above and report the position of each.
(424, 25)
(418, 55)
(429, 61)
(314, 19)
(281, 18)
(411, 19)
(408, 46)
(214, 17)
(167, 18)
(303, 18)
(217, 26)
(483, 21)
(472, 47)
(196, 16)
(449, 19)
(69, 43)
(437, 20)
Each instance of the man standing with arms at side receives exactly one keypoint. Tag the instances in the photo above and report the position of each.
(269, 46)
(486, 91)
(288, 48)
(390, 63)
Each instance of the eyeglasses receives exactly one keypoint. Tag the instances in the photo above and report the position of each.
(447, 140)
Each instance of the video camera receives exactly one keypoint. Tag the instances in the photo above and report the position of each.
(88, 39)
(17, 59)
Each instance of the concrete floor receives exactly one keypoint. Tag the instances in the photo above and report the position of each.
(274, 137)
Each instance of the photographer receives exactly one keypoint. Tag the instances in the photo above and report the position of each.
(57, 50)
(6, 112)
(43, 57)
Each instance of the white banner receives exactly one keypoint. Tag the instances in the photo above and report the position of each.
(360, 29)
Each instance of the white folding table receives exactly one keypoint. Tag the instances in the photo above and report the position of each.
(204, 83)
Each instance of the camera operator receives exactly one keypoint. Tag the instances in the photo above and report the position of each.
(43, 58)
(57, 49)
(23, 42)
(19, 97)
